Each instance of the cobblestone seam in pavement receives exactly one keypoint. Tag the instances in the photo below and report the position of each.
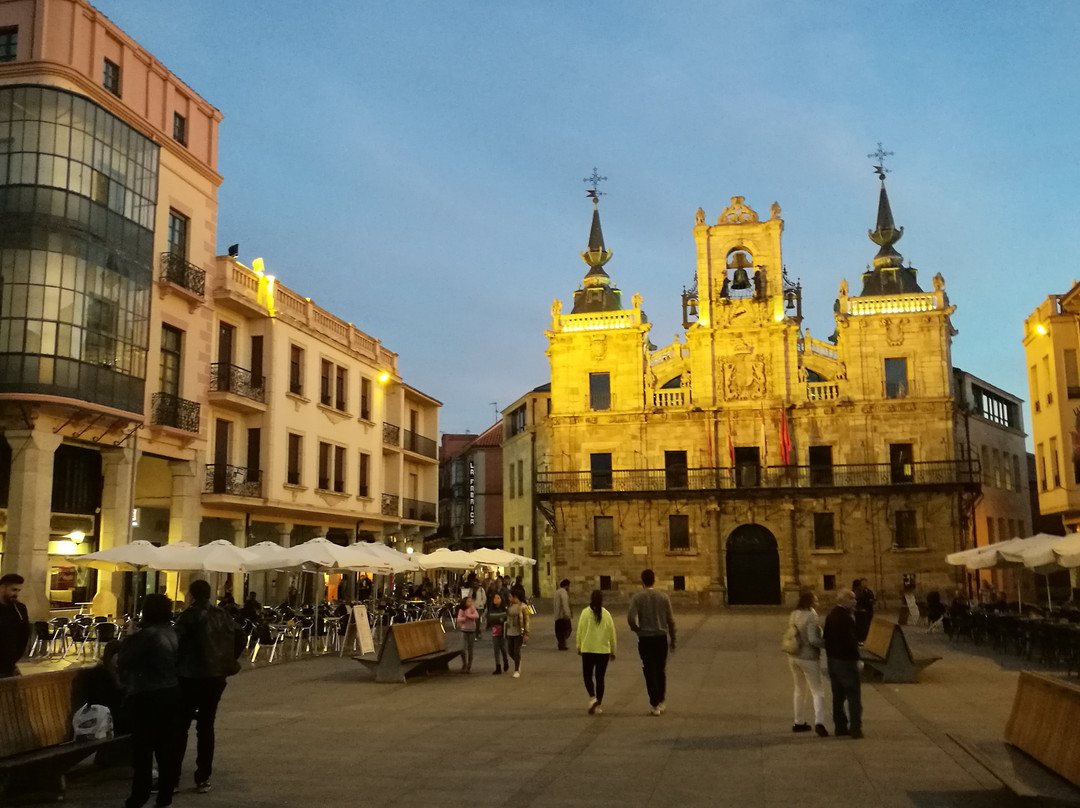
(532, 790)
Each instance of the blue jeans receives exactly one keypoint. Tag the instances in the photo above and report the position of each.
(498, 643)
(467, 652)
(846, 686)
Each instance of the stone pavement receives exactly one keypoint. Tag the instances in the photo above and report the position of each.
(319, 732)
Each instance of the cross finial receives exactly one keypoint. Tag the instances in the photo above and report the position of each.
(594, 193)
(880, 156)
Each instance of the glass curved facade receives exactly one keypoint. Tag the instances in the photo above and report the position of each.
(78, 189)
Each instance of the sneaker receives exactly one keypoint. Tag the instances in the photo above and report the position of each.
(593, 706)
(662, 708)
(517, 674)
(597, 711)
(655, 711)
(856, 734)
(821, 731)
(202, 788)
(800, 727)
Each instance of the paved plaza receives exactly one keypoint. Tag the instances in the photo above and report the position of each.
(320, 732)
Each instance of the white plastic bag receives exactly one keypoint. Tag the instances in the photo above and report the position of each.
(92, 722)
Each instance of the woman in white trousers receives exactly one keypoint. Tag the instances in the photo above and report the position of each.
(805, 667)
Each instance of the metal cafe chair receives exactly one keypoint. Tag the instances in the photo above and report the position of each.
(43, 635)
(267, 636)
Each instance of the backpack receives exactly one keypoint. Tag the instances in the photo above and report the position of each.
(222, 641)
(791, 640)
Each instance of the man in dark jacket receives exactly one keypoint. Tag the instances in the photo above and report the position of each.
(14, 625)
(210, 644)
(842, 647)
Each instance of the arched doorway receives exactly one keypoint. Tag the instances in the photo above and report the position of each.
(753, 566)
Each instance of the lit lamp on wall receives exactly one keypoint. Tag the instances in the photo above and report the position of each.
(409, 550)
(1040, 329)
(69, 545)
(384, 377)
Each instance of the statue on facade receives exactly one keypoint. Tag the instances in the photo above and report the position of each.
(757, 383)
(843, 287)
(939, 283)
(637, 300)
(841, 372)
(699, 217)
(774, 211)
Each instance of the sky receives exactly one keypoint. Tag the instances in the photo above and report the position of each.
(416, 167)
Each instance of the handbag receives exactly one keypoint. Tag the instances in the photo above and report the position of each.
(791, 640)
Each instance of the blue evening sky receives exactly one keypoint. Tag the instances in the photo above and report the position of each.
(416, 167)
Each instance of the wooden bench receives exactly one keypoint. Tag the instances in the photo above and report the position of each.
(409, 649)
(1045, 714)
(887, 655)
(36, 738)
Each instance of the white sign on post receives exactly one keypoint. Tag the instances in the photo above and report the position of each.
(363, 630)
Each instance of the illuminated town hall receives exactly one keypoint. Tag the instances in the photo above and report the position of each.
(747, 460)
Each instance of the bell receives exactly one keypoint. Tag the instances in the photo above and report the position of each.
(791, 303)
(692, 311)
(742, 280)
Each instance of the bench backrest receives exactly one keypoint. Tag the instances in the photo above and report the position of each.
(35, 711)
(1045, 714)
(418, 638)
(880, 637)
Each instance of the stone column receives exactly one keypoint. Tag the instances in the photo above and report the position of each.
(114, 524)
(26, 546)
(185, 513)
(278, 582)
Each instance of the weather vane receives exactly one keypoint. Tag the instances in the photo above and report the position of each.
(880, 156)
(594, 193)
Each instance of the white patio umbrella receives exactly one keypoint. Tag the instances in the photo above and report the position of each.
(1036, 553)
(135, 556)
(398, 561)
(1067, 551)
(491, 557)
(990, 556)
(444, 559)
(269, 556)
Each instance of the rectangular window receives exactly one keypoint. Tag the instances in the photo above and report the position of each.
(678, 583)
(605, 582)
(828, 583)
(676, 474)
(365, 399)
(110, 77)
(987, 472)
(521, 478)
(178, 234)
(599, 391)
(1047, 379)
(1072, 376)
(339, 469)
(998, 481)
(99, 347)
(513, 533)
(824, 531)
(678, 531)
(747, 467)
(1003, 529)
(991, 536)
(296, 450)
(600, 466)
(1040, 466)
(340, 397)
(9, 39)
(510, 479)
(902, 461)
(896, 382)
(1054, 465)
(1016, 472)
(821, 465)
(169, 378)
(326, 459)
(254, 455)
(1033, 383)
(326, 377)
(179, 128)
(603, 534)
(365, 473)
(296, 370)
(906, 536)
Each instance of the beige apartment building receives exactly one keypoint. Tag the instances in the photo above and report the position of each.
(525, 527)
(147, 385)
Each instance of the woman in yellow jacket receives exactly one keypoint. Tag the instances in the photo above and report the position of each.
(595, 640)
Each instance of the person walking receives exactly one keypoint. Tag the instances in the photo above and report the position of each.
(146, 665)
(210, 644)
(563, 615)
(467, 618)
(480, 602)
(496, 617)
(595, 642)
(650, 617)
(14, 625)
(805, 666)
(517, 627)
(842, 648)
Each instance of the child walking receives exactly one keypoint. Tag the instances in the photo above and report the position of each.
(517, 626)
(466, 622)
(496, 620)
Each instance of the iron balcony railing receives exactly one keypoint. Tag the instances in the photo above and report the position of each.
(391, 434)
(226, 378)
(176, 269)
(418, 509)
(859, 475)
(418, 443)
(390, 504)
(179, 413)
(239, 481)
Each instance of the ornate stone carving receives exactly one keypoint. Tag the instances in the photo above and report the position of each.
(733, 373)
(738, 212)
(599, 347)
(774, 211)
(843, 287)
(939, 283)
(556, 315)
(699, 217)
(894, 331)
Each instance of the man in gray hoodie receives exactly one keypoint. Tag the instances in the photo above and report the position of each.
(651, 619)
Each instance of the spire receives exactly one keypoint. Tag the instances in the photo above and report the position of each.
(886, 234)
(596, 255)
(598, 293)
(888, 275)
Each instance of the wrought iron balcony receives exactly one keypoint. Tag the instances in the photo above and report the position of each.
(239, 481)
(747, 478)
(418, 509)
(418, 443)
(391, 434)
(176, 269)
(390, 504)
(226, 378)
(178, 413)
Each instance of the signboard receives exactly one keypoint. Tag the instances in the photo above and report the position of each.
(363, 630)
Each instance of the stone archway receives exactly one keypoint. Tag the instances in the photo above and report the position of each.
(753, 566)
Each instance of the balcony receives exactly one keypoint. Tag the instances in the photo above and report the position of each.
(419, 510)
(237, 481)
(390, 504)
(237, 388)
(183, 278)
(415, 443)
(391, 434)
(174, 412)
(752, 480)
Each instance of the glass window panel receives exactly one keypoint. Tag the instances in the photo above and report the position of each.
(17, 299)
(48, 337)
